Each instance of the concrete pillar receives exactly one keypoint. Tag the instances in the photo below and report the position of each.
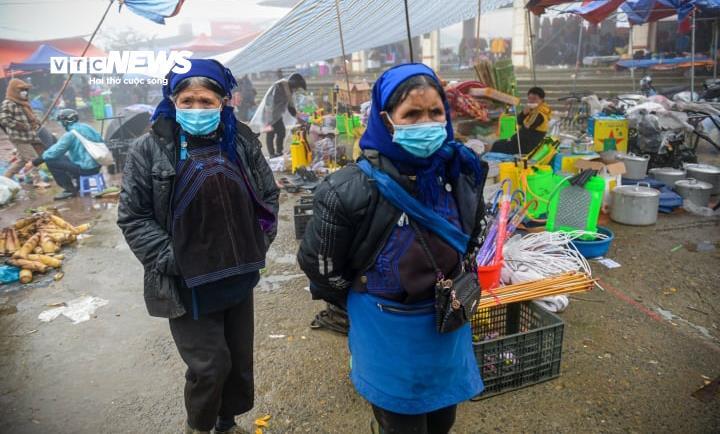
(652, 37)
(469, 27)
(358, 64)
(430, 49)
(640, 38)
(520, 44)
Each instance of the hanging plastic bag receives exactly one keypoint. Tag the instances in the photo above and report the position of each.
(97, 150)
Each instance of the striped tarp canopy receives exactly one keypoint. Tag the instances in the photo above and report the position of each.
(309, 32)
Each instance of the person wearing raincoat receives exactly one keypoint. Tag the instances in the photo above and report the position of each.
(363, 252)
(270, 114)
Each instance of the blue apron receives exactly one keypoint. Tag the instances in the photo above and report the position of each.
(400, 363)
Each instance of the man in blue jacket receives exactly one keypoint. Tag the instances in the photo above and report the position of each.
(68, 159)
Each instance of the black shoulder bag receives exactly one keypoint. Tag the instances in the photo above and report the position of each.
(455, 300)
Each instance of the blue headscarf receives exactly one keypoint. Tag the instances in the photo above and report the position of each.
(216, 71)
(450, 160)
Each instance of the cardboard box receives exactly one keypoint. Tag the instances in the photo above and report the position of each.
(359, 93)
(609, 134)
(494, 94)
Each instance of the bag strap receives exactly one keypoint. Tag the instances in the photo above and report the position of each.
(428, 218)
(439, 275)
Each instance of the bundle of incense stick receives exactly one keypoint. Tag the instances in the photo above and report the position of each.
(565, 283)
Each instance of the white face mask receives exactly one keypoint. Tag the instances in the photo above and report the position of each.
(23, 94)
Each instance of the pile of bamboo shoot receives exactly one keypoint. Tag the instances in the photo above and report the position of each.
(33, 243)
(565, 283)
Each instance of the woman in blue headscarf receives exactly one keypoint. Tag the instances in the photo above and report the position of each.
(198, 208)
(367, 254)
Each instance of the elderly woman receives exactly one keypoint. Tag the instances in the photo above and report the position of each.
(198, 208)
(364, 251)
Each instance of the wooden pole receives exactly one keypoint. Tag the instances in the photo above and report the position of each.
(692, 59)
(67, 81)
(528, 17)
(716, 31)
(342, 48)
(579, 55)
(477, 33)
(407, 26)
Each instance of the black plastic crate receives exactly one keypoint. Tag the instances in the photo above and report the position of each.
(302, 214)
(516, 345)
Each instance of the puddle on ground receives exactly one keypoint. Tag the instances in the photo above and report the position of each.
(669, 316)
(273, 282)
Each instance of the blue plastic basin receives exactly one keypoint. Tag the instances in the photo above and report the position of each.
(595, 248)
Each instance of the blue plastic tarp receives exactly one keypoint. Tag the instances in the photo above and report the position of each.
(647, 63)
(154, 10)
(669, 200)
(39, 59)
(595, 11)
(643, 11)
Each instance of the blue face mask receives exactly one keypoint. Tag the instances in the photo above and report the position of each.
(421, 140)
(198, 122)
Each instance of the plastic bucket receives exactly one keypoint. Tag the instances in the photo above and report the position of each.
(489, 275)
(595, 248)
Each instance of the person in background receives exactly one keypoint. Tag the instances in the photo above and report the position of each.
(362, 252)
(278, 101)
(20, 123)
(68, 159)
(198, 207)
(70, 97)
(247, 101)
(532, 125)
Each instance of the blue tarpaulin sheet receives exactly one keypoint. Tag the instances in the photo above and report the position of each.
(669, 200)
(39, 59)
(647, 63)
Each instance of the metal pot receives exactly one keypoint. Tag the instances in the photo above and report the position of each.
(635, 165)
(706, 173)
(697, 192)
(635, 205)
(667, 175)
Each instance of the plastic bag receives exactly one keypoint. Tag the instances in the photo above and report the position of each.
(324, 150)
(97, 150)
(8, 190)
(9, 274)
(700, 210)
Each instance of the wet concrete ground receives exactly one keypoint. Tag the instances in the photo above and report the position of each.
(632, 354)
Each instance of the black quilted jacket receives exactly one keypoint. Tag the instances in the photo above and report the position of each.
(144, 212)
(351, 223)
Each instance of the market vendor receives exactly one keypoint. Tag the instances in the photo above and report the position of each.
(198, 208)
(68, 159)
(532, 125)
(269, 115)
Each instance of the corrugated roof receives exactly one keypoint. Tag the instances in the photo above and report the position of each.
(309, 32)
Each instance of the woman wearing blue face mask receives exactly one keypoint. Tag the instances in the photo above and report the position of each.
(365, 253)
(198, 208)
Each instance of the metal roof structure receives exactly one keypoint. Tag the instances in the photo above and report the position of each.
(309, 32)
